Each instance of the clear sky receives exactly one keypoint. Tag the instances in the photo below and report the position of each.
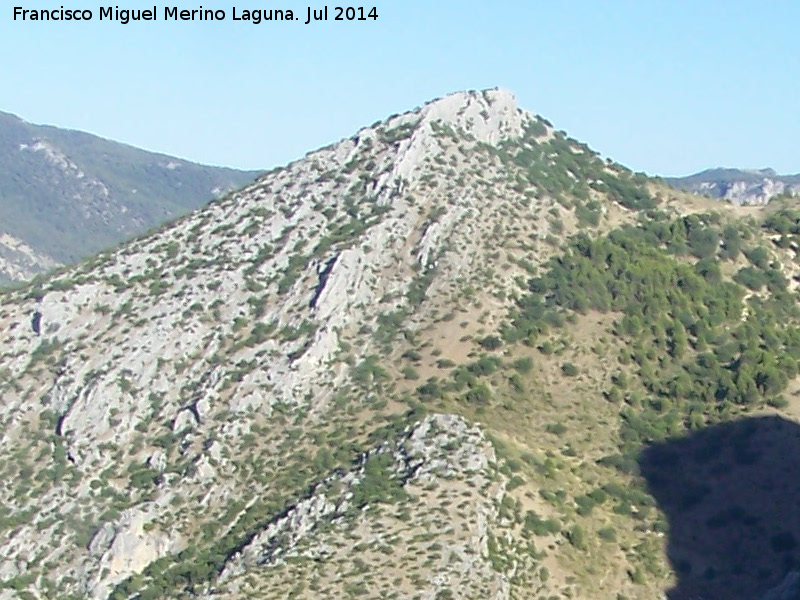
(666, 87)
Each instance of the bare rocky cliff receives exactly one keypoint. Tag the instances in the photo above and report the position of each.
(740, 187)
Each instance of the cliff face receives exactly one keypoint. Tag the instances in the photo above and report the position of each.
(740, 187)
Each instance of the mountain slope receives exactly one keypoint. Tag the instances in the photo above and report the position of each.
(741, 187)
(389, 369)
(65, 194)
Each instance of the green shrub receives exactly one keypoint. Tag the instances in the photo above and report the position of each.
(607, 534)
(538, 526)
(491, 342)
(577, 537)
(569, 369)
(523, 365)
(410, 372)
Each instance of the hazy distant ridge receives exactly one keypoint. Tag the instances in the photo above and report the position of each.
(739, 186)
(67, 194)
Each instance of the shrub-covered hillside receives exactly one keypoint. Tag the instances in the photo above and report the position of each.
(457, 355)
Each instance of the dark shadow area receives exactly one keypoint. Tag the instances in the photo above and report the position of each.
(731, 493)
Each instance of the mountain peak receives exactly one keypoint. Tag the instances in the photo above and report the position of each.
(489, 115)
(251, 373)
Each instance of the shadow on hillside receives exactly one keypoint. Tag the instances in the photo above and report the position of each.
(731, 494)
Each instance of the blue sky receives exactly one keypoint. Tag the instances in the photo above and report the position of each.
(666, 87)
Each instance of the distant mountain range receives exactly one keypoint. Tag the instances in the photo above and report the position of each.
(739, 186)
(65, 195)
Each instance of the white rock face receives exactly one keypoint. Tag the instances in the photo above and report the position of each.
(18, 261)
(128, 548)
(751, 194)
(742, 188)
(491, 116)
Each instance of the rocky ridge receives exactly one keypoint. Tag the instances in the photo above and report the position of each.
(740, 187)
(439, 455)
(198, 410)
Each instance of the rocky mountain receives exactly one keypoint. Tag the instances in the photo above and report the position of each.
(65, 195)
(741, 187)
(457, 355)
